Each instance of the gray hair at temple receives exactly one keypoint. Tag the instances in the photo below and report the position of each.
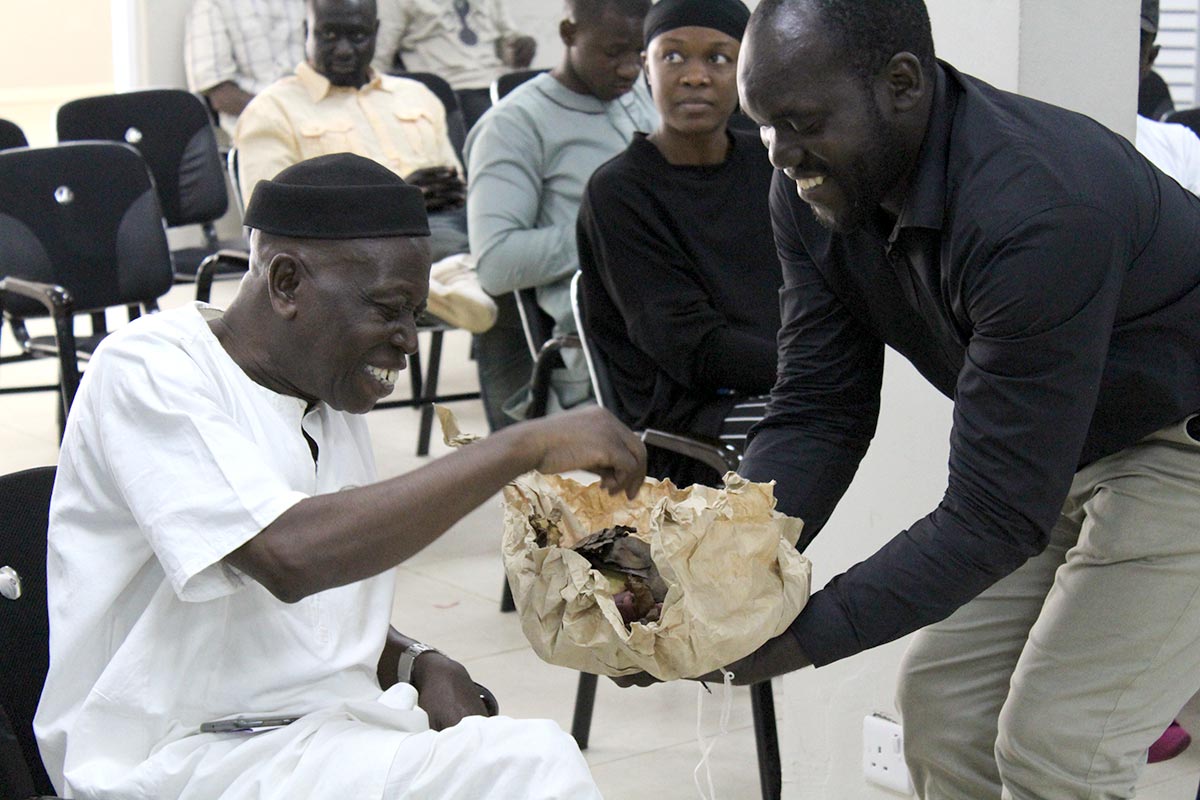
(868, 32)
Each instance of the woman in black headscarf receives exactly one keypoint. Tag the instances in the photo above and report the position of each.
(680, 278)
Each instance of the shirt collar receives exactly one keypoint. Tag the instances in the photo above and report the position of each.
(572, 100)
(925, 205)
(319, 87)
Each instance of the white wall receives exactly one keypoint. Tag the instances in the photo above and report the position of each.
(51, 52)
(1082, 55)
(148, 43)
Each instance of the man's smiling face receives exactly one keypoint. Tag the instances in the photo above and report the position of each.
(356, 308)
(823, 123)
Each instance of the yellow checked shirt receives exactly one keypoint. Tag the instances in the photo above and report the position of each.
(395, 121)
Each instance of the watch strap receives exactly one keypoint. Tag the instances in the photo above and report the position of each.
(404, 666)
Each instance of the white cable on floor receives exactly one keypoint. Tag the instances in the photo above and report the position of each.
(706, 747)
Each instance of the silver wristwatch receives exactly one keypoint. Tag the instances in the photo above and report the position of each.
(408, 658)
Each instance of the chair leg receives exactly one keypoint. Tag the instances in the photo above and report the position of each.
(585, 699)
(431, 384)
(416, 380)
(507, 603)
(68, 361)
(766, 740)
(60, 415)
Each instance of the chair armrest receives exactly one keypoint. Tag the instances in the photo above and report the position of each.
(208, 268)
(548, 357)
(717, 454)
(55, 299)
(60, 305)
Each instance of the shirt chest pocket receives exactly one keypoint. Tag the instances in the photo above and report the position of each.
(420, 133)
(322, 137)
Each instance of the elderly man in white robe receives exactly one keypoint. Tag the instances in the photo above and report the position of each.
(220, 546)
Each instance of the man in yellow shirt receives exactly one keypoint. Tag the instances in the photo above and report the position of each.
(336, 103)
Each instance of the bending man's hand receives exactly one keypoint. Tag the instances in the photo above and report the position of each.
(635, 679)
(446, 691)
(590, 439)
(777, 657)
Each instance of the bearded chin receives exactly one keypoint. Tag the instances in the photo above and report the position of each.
(865, 184)
(853, 217)
(828, 219)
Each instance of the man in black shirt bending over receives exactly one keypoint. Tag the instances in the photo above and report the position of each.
(1045, 276)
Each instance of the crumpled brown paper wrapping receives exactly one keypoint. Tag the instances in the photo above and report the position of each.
(736, 579)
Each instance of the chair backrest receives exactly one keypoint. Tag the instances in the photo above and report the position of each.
(535, 322)
(172, 130)
(597, 366)
(83, 216)
(456, 128)
(511, 80)
(11, 135)
(24, 622)
(1189, 117)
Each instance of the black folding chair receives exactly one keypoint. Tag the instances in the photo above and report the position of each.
(24, 628)
(722, 457)
(11, 135)
(425, 387)
(80, 232)
(511, 80)
(544, 348)
(172, 130)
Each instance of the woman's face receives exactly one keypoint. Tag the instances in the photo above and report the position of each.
(693, 77)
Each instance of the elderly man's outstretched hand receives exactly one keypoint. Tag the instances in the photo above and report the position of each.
(591, 439)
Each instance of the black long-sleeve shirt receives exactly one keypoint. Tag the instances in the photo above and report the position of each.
(681, 285)
(1044, 276)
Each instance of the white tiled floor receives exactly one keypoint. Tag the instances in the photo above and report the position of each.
(643, 741)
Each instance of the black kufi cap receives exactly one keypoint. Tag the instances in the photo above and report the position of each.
(727, 16)
(339, 196)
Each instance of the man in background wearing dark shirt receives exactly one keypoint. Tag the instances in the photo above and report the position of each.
(1154, 96)
(1041, 273)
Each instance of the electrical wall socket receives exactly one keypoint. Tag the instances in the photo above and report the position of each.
(883, 754)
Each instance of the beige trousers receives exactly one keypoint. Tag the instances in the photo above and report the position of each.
(1054, 682)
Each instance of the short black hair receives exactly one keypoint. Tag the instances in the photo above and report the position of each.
(870, 32)
(585, 12)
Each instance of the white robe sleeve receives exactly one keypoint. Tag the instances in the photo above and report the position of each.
(196, 484)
